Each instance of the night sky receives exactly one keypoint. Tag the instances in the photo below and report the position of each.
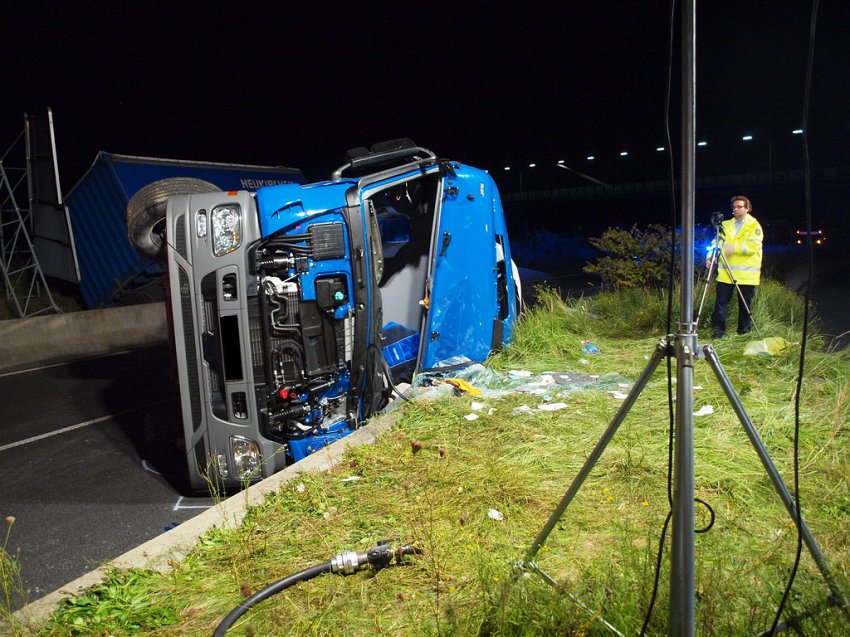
(298, 84)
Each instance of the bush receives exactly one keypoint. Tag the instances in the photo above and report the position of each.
(633, 258)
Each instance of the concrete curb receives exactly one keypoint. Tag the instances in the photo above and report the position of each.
(172, 546)
(59, 338)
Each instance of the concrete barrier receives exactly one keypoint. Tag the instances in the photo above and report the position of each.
(57, 338)
(163, 552)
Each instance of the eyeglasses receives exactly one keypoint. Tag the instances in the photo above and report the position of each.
(739, 206)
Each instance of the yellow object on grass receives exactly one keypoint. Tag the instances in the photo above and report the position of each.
(770, 346)
(462, 385)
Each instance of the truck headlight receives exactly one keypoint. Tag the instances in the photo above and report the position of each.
(246, 457)
(226, 228)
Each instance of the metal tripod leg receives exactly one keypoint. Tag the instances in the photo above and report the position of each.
(711, 264)
(741, 300)
(528, 561)
(778, 483)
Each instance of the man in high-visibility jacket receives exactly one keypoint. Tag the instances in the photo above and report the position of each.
(742, 239)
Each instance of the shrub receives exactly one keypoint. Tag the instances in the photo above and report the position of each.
(633, 258)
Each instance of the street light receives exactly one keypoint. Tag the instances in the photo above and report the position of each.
(747, 138)
(624, 153)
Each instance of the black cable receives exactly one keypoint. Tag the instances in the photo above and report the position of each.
(806, 301)
(389, 374)
(345, 563)
(268, 591)
(669, 324)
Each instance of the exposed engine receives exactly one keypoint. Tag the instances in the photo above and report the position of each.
(303, 337)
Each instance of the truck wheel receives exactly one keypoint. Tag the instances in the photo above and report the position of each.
(146, 212)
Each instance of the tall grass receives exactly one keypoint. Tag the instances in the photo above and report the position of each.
(438, 477)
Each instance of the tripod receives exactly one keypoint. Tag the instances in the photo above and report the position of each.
(706, 352)
(687, 351)
(715, 259)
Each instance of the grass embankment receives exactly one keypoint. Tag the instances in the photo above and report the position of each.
(437, 478)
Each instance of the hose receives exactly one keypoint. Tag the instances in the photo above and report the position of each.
(344, 563)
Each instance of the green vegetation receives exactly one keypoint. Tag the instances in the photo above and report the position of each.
(436, 477)
(635, 258)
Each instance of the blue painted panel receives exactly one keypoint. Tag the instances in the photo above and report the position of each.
(463, 293)
(134, 175)
(281, 206)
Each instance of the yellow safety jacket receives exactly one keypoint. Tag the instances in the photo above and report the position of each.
(745, 262)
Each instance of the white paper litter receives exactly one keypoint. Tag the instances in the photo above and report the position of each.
(351, 479)
(493, 514)
(471, 417)
(476, 406)
(523, 409)
(618, 395)
(583, 361)
(552, 406)
(705, 410)
(300, 488)
(519, 373)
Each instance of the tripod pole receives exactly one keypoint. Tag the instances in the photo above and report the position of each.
(711, 263)
(682, 579)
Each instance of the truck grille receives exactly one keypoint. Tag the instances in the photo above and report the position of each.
(180, 239)
(191, 352)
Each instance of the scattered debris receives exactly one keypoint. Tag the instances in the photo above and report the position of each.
(705, 410)
(589, 348)
(471, 417)
(552, 406)
(770, 346)
(493, 514)
(618, 395)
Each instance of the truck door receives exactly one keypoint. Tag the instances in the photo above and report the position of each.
(463, 308)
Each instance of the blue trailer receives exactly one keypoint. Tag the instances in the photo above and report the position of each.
(109, 265)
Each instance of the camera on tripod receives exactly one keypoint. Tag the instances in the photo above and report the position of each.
(717, 222)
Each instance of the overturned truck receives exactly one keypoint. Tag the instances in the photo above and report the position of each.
(296, 309)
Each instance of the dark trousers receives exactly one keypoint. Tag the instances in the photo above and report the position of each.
(724, 294)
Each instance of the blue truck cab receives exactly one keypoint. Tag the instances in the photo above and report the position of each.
(296, 308)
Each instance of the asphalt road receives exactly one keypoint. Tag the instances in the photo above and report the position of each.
(73, 475)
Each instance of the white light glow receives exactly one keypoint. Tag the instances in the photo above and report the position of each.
(624, 153)
(532, 165)
(702, 143)
(660, 149)
(590, 158)
(797, 131)
(747, 138)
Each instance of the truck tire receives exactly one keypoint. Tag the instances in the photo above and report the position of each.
(146, 212)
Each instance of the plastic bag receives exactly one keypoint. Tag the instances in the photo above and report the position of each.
(770, 346)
